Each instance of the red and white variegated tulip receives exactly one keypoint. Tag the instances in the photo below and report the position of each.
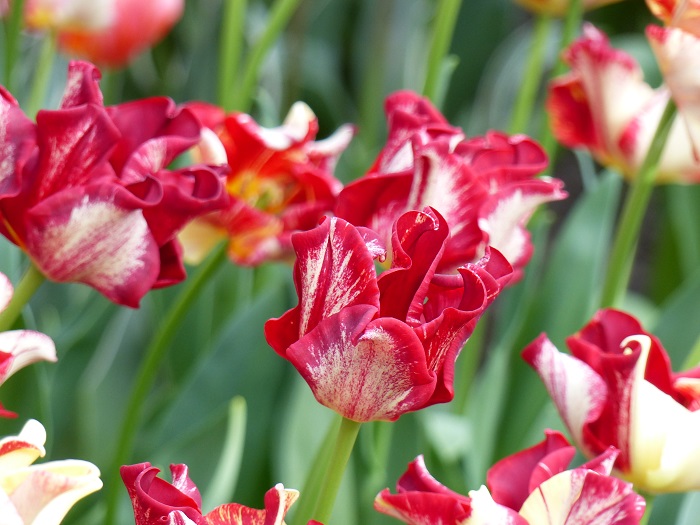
(19, 348)
(531, 487)
(373, 348)
(617, 389)
(678, 55)
(107, 32)
(280, 181)
(485, 187)
(559, 7)
(683, 14)
(40, 494)
(605, 106)
(156, 501)
(87, 193)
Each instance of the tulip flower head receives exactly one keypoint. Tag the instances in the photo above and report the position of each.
(40, 494)
(605, 106)
(531, 487)
(62, 15)
(19, 348)
(156, 501)
(372, 348)
(485, 187)
(682, 14)
(617, 389)
(86, 191)
(280, 181)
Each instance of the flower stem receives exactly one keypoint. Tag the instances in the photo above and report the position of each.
(445, 21)
(624, 245)
(647, 510)
(230, 46)
(42, 75)
(280, 13)
(693, 358)
(347, 434)
(527, 95)
(24, 291)
(13, 26)
(572, 23)
(150, 365)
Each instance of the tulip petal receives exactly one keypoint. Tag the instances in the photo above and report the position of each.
(21, 348)
(17, 136)
(418, 508)
(485, 511)
(277, 503)
(22, 450)
(578, 392)
(6, 291)
(364, 370)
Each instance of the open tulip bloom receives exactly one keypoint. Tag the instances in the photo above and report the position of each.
(605, 106)
(373, 348)
(485, 187)
(158, 502)
(40, 494)
(86, 192)
(531, 487)
(280, 181)
(617, 389)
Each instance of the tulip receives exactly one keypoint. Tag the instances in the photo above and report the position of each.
(62, 15)
(40, 494)
(87, 193)
(605, 106)
(531, 487)
(683, 14)
(484, 186)
(156, 501)
(372, 348)
(19, 347)
(280, 181)
(617, 389)
(559, 7)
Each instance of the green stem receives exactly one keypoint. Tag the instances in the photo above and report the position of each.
(281, 12)
(153, 357)
(24, 291)
(467, 365)
(347, 434)
(230, 46)
(693, 358)
(445, 21)
(572, 23)
(527, 95)
(622, 254)
(13, 26)
(42, 75)
(647, 511)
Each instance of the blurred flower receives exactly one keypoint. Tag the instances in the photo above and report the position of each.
(683, 14)
(19, 348)
(281, 181)
(156, 501)
(107, 32)
(87, 194)
(559, 7)
(531, 487)
(374, 348)
(485, 187)
(618, 390)
(40, 494)
(604, 105)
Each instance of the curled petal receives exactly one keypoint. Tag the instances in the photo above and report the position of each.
(683, 14)
(364, 370)
(418, 508)
(17, 137)
(82, 85)
(277, 503)
(22, 450)
(6, 291)
(485, 511)
(21, 348)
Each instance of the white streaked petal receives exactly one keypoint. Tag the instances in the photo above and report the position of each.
(22, 450)
(6, 291)
(485, 511)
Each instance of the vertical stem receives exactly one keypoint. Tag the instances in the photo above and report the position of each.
(230, 47)
(336, 468)
(527, 95)
(648, 509)
(624, 245)
(24, 291)
(13, 25)
(280, 14)
(467, 365)
(153, 357)
(445, 21)
(42, 75)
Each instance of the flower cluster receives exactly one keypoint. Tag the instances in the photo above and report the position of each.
(87, 193)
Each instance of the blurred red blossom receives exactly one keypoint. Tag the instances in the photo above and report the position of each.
(683, 14)
(604, 105)
(373, 348)
(86, 192)
(485, 187)
(156, 501)
(280, 181)
(531, 487)
(617, 389)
